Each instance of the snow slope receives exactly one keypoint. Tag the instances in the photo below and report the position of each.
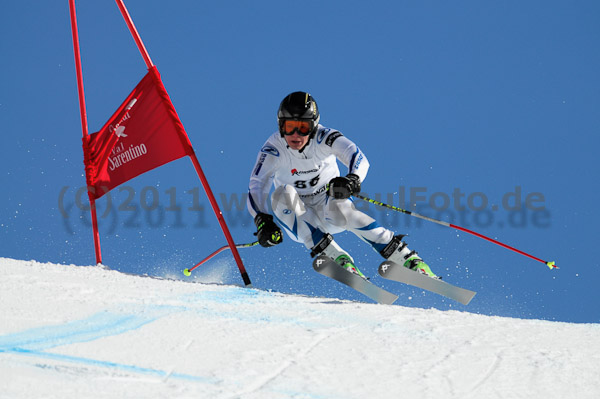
(88, 332)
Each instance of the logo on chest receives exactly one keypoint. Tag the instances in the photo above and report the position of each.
(296, 172)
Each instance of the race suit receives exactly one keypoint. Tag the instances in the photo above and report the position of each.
(300, 203)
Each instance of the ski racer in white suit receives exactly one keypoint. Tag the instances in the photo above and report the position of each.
(311, 200)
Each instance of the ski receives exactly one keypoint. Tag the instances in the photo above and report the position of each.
(327, 267)
(393, 271)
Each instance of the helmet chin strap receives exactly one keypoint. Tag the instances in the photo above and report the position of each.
(310, 137)
(305, 145)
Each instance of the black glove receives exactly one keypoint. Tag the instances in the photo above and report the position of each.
(268, 233)
(344, 187)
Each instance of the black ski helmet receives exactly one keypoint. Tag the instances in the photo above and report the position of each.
(298, 106)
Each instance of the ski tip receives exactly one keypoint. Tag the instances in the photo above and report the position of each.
(551, 265)
(187, 272)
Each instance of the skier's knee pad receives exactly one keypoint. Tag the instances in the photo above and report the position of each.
(337, 212)
(286, 201)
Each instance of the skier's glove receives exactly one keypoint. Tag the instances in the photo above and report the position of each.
(268, 233)
(344, 187)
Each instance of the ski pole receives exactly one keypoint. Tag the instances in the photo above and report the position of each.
(188, 272)
(551, 265)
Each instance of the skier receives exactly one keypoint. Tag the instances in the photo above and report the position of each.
(311, 200)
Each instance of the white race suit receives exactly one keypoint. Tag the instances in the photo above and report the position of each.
(300, 203)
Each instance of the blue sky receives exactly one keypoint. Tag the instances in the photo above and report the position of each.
(483, 99)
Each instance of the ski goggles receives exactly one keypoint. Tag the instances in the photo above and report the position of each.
(303, 128)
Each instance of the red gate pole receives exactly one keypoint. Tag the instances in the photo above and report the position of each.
(219, 214)
(135, 34)
(205, 185)
(84, 124)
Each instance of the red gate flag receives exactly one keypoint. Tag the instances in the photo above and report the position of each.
(144, 133)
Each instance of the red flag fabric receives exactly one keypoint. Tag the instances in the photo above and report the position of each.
(144, 133)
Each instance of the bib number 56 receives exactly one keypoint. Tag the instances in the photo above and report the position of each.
(303, 183)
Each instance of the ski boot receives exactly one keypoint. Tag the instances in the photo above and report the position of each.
(328, 247)
(398, 252)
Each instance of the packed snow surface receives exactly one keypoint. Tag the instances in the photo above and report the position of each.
(88, 332)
